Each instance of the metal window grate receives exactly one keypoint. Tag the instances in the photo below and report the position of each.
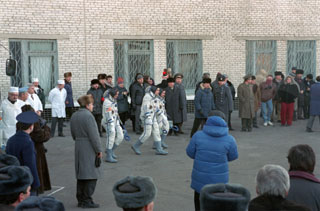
(15, 48)
(132, 57)
(302, 54)
(185, 56)
(261, 54)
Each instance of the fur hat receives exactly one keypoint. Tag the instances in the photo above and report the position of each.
(94, 81)
(206, 80)
(217, 113)
(227, 197)
(138, 76)
(253, 77)
(14, 179)
(8, 160)
(68, 74)
(277, 73)
(40, 203)
(102, 76)
(170, 80)
(299, 71)
(134, 192)
(310, 76)
(85, 100)
(178, 75)
(247, 77)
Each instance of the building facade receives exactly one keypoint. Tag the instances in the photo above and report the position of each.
(121, 38)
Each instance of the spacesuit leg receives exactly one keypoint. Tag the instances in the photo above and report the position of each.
(111, 133)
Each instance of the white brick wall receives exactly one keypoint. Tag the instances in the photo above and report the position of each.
(87, 25)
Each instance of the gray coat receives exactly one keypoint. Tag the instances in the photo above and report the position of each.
(183, 100)
(246, 101)
(223, 99)
(174, 105)
(84, 131)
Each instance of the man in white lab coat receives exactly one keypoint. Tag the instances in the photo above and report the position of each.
(10, 110)
(34, 100)
(23, 97)
(57, 97)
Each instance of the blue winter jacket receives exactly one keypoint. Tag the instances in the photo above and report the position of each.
(68, 88)
(203, 103)
(211, 150)
(315, 99)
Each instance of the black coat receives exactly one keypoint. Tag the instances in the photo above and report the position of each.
(174, 105)
(122, 100)
(97, 97)
(137, 94)
(288, 93)
(302, 88)
(274, 203)
(183, 100)
(163, 84)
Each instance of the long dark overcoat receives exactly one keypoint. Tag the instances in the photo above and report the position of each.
(183, 100)
(246, 101)
(174, 104)
(84, 131)
(223, 99)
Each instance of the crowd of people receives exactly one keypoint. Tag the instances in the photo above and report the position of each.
(160, 110)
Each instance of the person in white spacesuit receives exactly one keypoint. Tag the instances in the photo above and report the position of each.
(111, 123)
(162, 118)
(10, 110)
(148, 116)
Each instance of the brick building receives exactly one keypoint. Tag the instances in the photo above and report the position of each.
(123, 37)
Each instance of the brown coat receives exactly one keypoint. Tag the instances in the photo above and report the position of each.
(257, 97)
(39, 136)
(246, 101)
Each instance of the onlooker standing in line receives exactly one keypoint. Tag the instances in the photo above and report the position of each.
(314, 103)
(57, 97)
(102, 82)
(292, 75)
(287, 93)
(69, 99)
(299, 80)
(272, 187)
(21, 146)
(40, 135)
(97, 102)
(308, 82)
(23, 97)
(88, 151)
(122, 101)
(183, 100)
(203, 104)
(174, 104)
(278, 80)
(137, 94)
(204, 75)
(39, 91)
(222, 96)
(268, 91)
(233, 94)
(10, 111)
(246, 103)
(212, 149)
(257, 101)
(109, 82)
(34, 100)
(304, 186)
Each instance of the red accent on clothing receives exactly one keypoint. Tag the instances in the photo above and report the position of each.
(287, 113)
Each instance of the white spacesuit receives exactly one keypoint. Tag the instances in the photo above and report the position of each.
(162, 118)
(111, 123)
(148, 116)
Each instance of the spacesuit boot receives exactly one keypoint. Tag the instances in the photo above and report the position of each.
(109, 157)
(136, 147)
(159, 150)
(113, 148)
(163, 144)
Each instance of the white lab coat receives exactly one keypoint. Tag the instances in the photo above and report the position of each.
(57, 98)
(35, 102)
(9, 113)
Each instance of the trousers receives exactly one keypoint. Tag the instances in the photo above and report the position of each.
(311, 120)
(196, 123)
(150, 129)
(54, 123)
(287, 110)
(114, 134)
(85, 190)
(266, 108)
(137, 123)
(98, 118)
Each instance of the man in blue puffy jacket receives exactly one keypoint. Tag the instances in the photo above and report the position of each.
(211, 148)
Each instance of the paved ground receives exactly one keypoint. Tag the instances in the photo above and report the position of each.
(172, 173)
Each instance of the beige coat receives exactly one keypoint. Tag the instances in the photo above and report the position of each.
(246, 101)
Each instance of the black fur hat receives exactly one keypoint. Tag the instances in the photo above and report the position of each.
(299, 71)
(206, 80)
(277, 73)
(134, 192)
(226, 197)
(170, 80)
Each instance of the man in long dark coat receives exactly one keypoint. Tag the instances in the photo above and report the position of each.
(300, 82)
(137, 92)
(183, 99)
(173, 104)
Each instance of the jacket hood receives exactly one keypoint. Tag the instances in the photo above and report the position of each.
(215, 126)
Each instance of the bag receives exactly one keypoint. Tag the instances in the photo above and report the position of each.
(97, 162)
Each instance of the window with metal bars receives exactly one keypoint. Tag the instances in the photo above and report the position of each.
(302, 55)
(185, 56)
(35, 59)
(132, 57)
(261, 54)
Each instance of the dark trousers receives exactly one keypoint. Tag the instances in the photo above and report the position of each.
(229, 119)
(85, 189)
(196, 201)
(300, 111)
(255, 120)
(246, 124)
(287, 110)
(123, 117)
(54, 123)
(69, 112)
(196, 123)
(98, 118)
(137, 123)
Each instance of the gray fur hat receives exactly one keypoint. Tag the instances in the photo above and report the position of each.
(227, 197)
(40, 203)
(134, 192)
(8, 160)
(217, 113)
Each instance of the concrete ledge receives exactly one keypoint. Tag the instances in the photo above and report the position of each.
(277, 37)
(158, 37)
(35, 36)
